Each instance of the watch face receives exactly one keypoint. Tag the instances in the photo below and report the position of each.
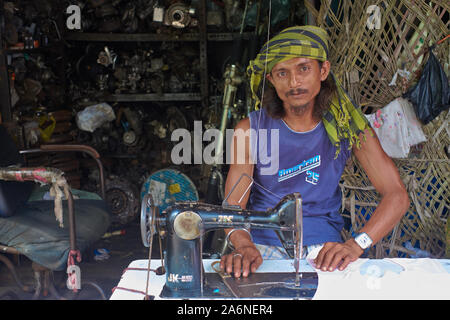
(363, 240)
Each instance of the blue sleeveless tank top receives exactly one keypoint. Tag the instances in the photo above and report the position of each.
(306, 165)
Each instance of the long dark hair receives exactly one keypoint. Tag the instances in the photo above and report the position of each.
(274, 106)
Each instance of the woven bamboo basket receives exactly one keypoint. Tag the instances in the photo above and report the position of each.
(378, 49)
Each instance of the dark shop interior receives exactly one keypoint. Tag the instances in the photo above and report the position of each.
(111, 112)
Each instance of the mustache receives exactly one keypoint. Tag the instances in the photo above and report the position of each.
(296, 91)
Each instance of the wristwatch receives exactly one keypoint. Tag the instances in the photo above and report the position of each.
(363, 240)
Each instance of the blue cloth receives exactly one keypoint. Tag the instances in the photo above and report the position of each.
(35, 233)
(305, 164)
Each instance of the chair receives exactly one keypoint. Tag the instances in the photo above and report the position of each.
(52, 234)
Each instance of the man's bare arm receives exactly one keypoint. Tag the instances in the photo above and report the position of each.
(384, 176)
(246, 258)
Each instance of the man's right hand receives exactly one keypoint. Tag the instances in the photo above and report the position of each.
(244, 259)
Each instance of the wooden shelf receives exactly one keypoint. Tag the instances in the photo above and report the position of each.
(149, 37)
(152, 97)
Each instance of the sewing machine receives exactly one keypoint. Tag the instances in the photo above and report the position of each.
(183, 225)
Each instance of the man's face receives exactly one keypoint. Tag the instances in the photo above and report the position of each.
(297, 81)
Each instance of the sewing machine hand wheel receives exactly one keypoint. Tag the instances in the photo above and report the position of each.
(148, 219)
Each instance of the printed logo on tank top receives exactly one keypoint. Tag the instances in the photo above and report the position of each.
(305, 166)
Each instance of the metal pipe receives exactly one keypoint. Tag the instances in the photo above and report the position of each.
(232, 80)
(72, 232)
(5, 249)
(74, 148)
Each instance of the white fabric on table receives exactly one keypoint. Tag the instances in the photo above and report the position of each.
(363, 279)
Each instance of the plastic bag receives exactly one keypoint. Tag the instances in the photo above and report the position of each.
(397, 127)
(47, 125)
(95, 116)
(430, 96)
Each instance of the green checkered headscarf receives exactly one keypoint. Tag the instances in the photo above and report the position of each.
(343, 120)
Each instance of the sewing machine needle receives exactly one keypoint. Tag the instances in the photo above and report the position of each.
(297, 274)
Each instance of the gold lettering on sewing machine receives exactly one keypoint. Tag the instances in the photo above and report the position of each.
(225, 219)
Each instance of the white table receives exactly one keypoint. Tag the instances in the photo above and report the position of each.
(363, 279)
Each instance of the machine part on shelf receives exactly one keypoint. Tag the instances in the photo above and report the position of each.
(176, 119)
(32, 89)
(134, 120)
(168, 186)
(156, 64)
(102, 82)
(122, 198)
(178, 15)
(87, 67)
(120, 73)
(104, 139)
(157, 83)
(158, 14)
(233, 14)
(129, 20)
(159, 129)
(129, 138)
(215, 189)
(145, 11)
(214, 16)
(31, 133)
(133, 78)
(175, 84)
(107, 57)
(140, 70)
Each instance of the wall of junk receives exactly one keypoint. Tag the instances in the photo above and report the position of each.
(144, 67)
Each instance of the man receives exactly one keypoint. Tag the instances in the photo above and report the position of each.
(318, 128)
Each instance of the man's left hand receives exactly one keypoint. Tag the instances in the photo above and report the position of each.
(337, 255)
